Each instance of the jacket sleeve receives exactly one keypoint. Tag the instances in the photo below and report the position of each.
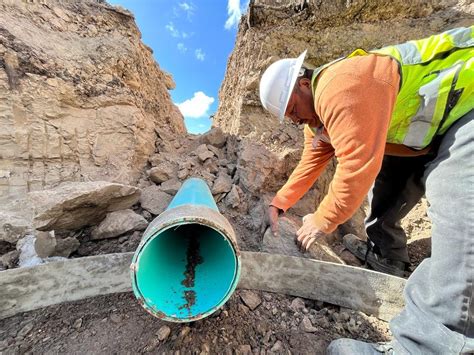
(356, 111)
(311, 165)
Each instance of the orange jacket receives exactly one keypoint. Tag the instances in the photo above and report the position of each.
(354, 99)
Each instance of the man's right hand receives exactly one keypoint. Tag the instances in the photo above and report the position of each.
(271, 219)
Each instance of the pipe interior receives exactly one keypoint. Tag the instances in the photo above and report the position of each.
(186, 271)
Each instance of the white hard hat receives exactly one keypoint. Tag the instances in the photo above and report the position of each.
(277, 84)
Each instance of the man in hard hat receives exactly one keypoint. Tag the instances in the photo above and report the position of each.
(399, 121)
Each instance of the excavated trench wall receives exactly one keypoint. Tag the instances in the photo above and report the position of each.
(274, 29)
(80, 96)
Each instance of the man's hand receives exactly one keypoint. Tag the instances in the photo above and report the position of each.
(271, 219)
(308, 233)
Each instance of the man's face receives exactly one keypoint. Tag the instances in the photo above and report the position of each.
(300, 108)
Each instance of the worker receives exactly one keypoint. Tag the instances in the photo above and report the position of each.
(399, 121)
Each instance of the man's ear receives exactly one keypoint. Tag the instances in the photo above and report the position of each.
(304, 82)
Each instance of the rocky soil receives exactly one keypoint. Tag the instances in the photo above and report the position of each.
(249, 323)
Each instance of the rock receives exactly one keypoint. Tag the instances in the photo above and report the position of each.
(171, 186)
(321, 250)
(10, 259)
(214, 137)
(152, 345)
(307, 326)
(231, 168)
(45, 244)
(163, 333)
(208, 177)
(205, 348)
(162, 172)
(154, 200)
(285, 243)
(211, 166)
(250, 298)
(25, 330)
(183, 174)
(277, 347)
(117, 223)
(203, 153)
(48, 245)
(184, 331)
(115, 318)
(217, 152)
(157, 159)
(147, 215)
(297, 304)
(222, 184)
(13, 226)
(259, 169)
(352, 326)
(244, 350)
(72, 206)
(77, 323)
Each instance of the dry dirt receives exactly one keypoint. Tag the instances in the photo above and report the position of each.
(117, 324)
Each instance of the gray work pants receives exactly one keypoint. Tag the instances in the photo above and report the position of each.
(439, 305)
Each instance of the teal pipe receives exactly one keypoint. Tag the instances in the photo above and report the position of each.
(194, 191)
(188, 263)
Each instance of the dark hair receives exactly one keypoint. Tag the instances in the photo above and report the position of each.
(307, 73)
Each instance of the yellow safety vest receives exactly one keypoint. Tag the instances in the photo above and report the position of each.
(437, 85)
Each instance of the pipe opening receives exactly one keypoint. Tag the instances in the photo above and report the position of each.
(186, 271)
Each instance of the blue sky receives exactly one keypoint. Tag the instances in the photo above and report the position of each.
(192, 40)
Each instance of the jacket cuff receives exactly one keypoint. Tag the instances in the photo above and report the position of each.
(280, 203)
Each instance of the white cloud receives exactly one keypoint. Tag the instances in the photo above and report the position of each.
(234, 10)
(199, 54)
(197, 106)
(182, 48)
(170, 27)
(187, 7)
(175, 32)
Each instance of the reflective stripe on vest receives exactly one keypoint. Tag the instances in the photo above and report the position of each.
(437, 85)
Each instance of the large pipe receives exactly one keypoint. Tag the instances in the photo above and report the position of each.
(188, 263)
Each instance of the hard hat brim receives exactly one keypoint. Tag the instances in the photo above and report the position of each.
(296, 69)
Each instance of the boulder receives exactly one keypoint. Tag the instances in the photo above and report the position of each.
(233, 198)
(72, 206)
(285, 243)
(117, 223)
(214, 137)
(203, 153)
(66, 246)
(154, 200)
(47, 245)
(171, 186)
(162, 172)
(222, 184)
